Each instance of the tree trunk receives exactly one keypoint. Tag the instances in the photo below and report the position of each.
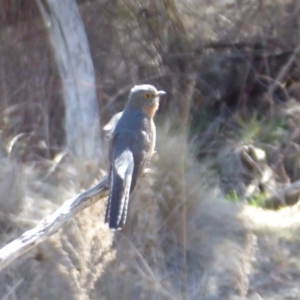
(72, 54)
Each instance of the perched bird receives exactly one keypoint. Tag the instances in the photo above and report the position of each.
(131, 147)
(111, 125)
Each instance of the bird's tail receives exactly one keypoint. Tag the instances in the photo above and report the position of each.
(120, 182)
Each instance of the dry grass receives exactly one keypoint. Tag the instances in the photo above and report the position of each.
(70, 262)
(224, 249)
(229, 245)
(152, 237)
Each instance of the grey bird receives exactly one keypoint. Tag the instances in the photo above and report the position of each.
(111, 125)
(132, 145)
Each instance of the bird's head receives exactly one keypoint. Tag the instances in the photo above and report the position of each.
(146, 97)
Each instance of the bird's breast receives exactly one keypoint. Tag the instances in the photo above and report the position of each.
(150, 110)
(153, 138)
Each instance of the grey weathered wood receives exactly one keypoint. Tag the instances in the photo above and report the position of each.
(72, 54)
(52, 224)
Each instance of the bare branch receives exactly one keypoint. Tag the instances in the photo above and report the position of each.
(52, 224)
(288, 195)
(284, 70)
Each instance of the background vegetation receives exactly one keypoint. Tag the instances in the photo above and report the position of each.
(218, 217)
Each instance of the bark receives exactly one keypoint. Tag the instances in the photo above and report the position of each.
(50, 225)
(72, 54)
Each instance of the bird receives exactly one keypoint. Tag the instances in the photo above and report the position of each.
(132, 145)
(111, 125)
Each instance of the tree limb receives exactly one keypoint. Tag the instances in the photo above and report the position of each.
(287, 195)
(52, 224)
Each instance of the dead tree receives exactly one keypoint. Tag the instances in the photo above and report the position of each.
(75, 67)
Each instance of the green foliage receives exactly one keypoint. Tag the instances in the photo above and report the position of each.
(257, 200)
(232, 196)
(250, 129)
(259, 129)
(273, 130)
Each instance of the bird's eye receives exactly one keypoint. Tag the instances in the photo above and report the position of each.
(147, 96)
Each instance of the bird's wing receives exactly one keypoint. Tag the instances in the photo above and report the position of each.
(122, 164)
(111, 125)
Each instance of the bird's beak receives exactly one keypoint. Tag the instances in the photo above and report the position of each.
(161, 93)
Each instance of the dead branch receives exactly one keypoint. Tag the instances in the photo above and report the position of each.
(284, 70)
(288, 195)
(52, 224)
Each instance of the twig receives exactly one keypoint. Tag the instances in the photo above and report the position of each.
(284, 70)
(52, 224)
